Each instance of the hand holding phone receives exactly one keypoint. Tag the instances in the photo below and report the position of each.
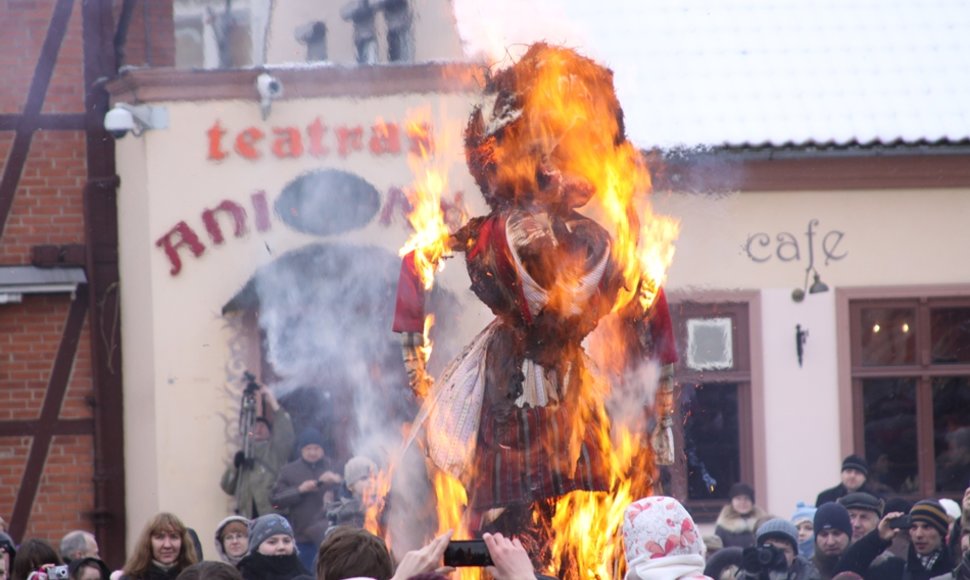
(512, 562)
(426, 559)
(901, 523)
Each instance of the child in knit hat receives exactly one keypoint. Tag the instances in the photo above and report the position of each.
(804, 518)
(272, 551)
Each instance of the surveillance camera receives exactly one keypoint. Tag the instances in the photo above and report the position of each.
(123, 118)
(119, 121)
(269, 87)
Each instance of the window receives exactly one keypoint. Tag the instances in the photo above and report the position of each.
(714, 404)
(400, 45)
(361, 14)
(911, 392)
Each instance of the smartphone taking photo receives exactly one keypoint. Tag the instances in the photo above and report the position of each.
(465, 553)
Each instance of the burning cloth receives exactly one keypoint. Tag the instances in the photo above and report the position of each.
(519, 416)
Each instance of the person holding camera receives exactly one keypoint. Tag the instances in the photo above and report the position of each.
(35, 556)
(775, 554)
(266, 449)
(927, 557)
(303, 487)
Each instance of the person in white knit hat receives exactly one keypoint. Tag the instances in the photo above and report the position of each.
(661, 541)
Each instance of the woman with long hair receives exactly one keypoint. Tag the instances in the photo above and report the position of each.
(163, 550)
(32, 555)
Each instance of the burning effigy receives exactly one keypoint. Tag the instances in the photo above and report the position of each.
(570, 260)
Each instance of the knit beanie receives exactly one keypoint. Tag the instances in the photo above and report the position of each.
(951, 508)
(741, 489)
(931, 513)
(309, 436)
(780, 529)
(857, 463)
(861, 500)
(263, 527)
(832, 516)
(803, 513)
(7, 545)
(358, 468)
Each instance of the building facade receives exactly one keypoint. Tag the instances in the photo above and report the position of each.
(245, 230)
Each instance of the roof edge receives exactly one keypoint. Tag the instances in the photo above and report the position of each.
(149, 85)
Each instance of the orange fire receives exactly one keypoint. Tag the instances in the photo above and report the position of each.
(429, 239)
(568, 120)
(571, 127)
(374, 500)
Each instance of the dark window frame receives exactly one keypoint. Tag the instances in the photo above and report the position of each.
(740, 310)
(850, 303)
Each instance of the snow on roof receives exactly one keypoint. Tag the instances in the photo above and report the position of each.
(751, 73)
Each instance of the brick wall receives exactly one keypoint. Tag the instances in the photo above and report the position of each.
(159, 48)
(48, 208)
(30, 334)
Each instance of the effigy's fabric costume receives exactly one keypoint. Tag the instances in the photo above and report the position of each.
(518, 416)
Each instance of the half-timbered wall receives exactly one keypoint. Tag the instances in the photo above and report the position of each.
(61, 437)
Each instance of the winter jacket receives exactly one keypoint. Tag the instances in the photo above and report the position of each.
(834, 493)
(736, 530)
(258, 566)
(803, 569)
(302, 509)
(155, 572)
(827, 566)
(251, 483)
(860, 555)
(961, 573)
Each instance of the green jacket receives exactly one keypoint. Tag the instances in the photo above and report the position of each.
(251, 484)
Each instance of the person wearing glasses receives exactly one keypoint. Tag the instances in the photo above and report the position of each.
(232, 539)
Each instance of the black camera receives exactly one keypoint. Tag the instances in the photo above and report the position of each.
(901, 523)
(251, 385)
(762, 561)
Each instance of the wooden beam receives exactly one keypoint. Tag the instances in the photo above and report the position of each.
(44, 121)
(43, 71)
(45, 426)
(31, 428)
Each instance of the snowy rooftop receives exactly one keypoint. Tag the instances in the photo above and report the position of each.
(750, 73)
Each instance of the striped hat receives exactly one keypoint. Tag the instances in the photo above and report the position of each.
(931, 513)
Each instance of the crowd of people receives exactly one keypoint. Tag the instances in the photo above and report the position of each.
(856, 534)
(301, 519)
(854, 530)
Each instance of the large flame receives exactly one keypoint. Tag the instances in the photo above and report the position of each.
(429, 239)
(566, 118)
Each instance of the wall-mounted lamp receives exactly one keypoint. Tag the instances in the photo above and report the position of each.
(798, 294)
(800, 337)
